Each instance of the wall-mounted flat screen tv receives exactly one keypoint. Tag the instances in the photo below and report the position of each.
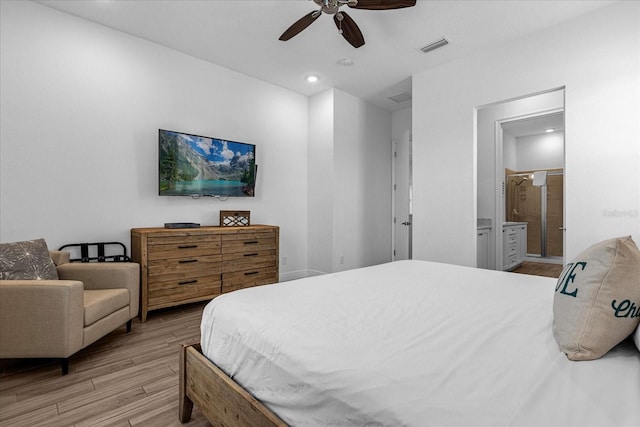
(193, 165)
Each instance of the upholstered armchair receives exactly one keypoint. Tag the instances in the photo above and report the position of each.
(48, 318)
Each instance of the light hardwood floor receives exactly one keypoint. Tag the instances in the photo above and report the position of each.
(121, 380)
(540, 269)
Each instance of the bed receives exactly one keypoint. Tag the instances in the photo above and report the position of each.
(408, 343)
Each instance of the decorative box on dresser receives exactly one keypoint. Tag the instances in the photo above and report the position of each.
(185, 265)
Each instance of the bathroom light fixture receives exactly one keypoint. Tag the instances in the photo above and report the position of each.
(312, 78)
(549, 130)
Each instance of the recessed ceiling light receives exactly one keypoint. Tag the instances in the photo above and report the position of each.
(549, 130)
(312, 78)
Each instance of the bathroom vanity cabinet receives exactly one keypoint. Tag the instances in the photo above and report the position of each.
(514, 244)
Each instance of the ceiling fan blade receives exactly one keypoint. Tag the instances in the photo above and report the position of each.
(300, 25)
(350, 30)
(383, 4)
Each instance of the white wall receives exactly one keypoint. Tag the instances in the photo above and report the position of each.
(510, 157)
(80, 110)
(320, 177)
(349, 182)
(543, 151)
(597, 58)
(400, 123)
(362, 183)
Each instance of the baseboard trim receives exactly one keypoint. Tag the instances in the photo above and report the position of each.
(299, 274)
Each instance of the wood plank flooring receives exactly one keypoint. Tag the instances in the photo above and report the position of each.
(120, 380)
(540, 269)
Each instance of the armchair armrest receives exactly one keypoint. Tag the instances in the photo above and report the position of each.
(40, 318)
(106, 275)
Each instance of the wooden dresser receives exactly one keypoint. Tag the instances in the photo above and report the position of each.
(180, 266)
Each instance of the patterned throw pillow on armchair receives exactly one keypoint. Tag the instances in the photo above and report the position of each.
(26, 260)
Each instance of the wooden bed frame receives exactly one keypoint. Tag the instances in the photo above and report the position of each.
(222, 401)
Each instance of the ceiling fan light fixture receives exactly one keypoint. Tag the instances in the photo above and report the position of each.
(346, 25)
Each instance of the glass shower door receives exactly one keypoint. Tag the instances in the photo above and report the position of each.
(541, 207)
(523, 205)
(554, 220)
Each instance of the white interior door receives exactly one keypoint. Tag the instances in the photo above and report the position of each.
(403, 199)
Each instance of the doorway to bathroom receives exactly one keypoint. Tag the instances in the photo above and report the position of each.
(520, 140)
(533, 159)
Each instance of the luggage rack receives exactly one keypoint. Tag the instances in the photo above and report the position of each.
(96, 252)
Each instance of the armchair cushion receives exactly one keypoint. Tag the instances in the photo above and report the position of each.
(106, 275)
(26, 260)
(99, 304)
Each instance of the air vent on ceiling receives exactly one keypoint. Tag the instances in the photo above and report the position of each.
(435, 45)
(401, 97)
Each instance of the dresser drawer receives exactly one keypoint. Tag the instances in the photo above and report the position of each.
(169, 292)
(187, 266)
(161, 248)
(232, 281)
(239, 261)
(248, 242)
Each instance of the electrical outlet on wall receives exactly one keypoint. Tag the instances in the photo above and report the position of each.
(341, 259)
(284, 260)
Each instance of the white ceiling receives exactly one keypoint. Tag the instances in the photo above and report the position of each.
(535, 125)
(242, 35)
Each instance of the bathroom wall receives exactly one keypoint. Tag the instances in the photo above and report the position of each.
(543, 151)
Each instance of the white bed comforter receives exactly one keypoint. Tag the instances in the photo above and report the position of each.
(415, 343)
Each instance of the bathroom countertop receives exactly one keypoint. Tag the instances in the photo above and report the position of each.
(512, 223)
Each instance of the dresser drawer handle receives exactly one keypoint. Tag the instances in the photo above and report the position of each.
(187, 246)
(188, 282)
(254, 254)
(186, 261)
(251, 242)
(250, 273)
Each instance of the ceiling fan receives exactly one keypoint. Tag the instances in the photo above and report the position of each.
(346, 26)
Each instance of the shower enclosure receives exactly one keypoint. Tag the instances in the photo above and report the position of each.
(540, 205)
